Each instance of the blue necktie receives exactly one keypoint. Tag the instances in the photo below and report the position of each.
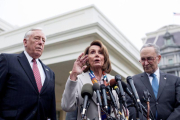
(155, 84)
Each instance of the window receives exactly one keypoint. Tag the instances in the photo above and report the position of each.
(170, 61)
(169, 41)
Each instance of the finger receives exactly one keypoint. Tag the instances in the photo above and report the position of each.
(85, 57)
(82, 58)
(79, 58)
(85, 60)
(84, 67)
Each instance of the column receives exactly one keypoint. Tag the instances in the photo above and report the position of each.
(62, 115)
(175, 61)
(178, 58)
(176, 73)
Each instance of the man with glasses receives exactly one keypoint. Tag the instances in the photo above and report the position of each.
(164, 88)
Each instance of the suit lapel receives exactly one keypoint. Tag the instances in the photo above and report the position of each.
(27, 68)
(46, 71)
(146, 82)
(162, 84)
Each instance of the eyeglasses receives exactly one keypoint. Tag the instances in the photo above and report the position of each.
(149, 59)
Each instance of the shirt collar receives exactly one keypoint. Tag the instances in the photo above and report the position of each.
(156, 73)
(29, 57)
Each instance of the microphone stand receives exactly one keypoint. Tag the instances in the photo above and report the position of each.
(147, 97)
(99, 110)
(85, 116)
(121, 107)
(145, 111)
(138, 110)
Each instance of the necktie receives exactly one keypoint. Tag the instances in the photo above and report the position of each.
(155, 84)
(37, 75)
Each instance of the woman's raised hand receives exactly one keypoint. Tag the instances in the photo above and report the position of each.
(79, 66)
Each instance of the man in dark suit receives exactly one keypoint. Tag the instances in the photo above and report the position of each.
(27, 86)
(164, 88)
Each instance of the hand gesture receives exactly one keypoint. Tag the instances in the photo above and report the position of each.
(79, 66)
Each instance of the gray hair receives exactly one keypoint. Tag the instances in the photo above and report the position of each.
(29, 32)
(156, 48)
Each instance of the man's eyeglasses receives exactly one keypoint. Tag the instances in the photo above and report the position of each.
(149, 59)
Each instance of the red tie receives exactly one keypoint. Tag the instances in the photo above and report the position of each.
(37, 75)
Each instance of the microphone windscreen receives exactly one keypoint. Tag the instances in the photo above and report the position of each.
(87, 90)
(102, 86)
(115, 87)
(96, 86)
(117, 77)
(112, 82)
(128, 78)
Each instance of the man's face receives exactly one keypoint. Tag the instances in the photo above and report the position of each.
(35, 44)
(149, 59)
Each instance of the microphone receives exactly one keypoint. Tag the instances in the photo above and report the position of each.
(112, 82)
(103, 91)
(126, 89)
(111, 96)
(117, 90)
(114, 86)
(122, 93)
(131, 83)
(96, 88)
(86, 93)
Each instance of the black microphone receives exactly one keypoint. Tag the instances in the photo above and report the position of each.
(131, 83)
(96, 88)
(122, 93)
(108, 88)
(104, 95)
(86, 93)
(126, 89)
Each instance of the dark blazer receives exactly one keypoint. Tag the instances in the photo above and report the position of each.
(168, 98)
(19, 96)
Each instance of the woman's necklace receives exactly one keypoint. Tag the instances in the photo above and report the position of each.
(93, 77)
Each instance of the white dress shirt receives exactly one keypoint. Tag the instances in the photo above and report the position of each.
(41, 70)
(157, 76)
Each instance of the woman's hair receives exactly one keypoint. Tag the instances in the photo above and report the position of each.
(107, 63)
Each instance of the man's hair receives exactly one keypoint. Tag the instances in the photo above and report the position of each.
(156, 48)
(29, 32)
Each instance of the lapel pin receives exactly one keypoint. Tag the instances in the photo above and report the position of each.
(47, 69)
(164, 78)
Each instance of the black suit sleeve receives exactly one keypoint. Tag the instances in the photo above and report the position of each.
(53, 103)
(175, 115)
(3, 74)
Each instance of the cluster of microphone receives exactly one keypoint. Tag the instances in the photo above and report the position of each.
(104, 95)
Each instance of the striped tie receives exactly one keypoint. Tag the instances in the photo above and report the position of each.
(37, 75)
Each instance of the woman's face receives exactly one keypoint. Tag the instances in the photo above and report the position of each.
(95, 56)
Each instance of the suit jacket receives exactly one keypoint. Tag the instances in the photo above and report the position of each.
(19, 96)
(167, 103)
(72, 99)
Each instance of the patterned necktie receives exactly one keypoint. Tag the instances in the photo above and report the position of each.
(155, 84)
(37, 75)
